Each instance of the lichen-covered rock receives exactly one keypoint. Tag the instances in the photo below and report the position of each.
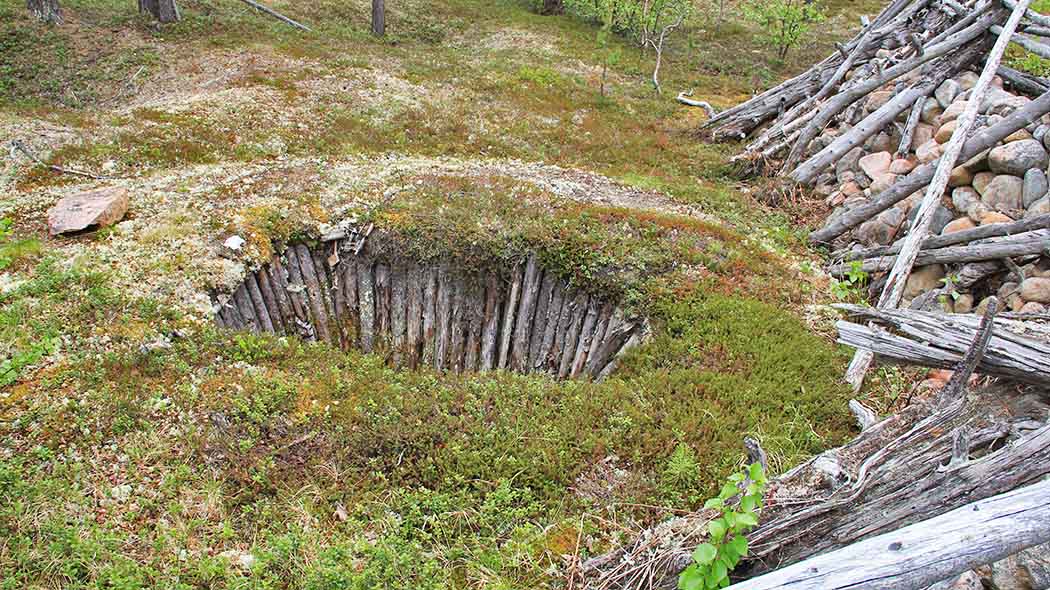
(874, 232)
(848, 163)
(1036, 289)
(882, 182)
(981, 180)
(992, 217)
(1017, 157)
(928, 152)
(1003, 192)
(901, 166)
(1019, 135)
(963, 196)
(1034, 187)
(930, 111)
(947, 92)
(960, 176)
(952, 112)
(964, 303)
(976, 211)
(96, 208)
(923, 133)
(967, 80)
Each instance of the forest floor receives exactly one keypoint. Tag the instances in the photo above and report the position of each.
(141, 447)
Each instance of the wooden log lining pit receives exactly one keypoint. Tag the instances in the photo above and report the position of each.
(432, 315)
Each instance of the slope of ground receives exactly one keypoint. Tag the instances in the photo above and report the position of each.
(140, 447)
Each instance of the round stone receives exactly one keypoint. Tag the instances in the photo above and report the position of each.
(1017, 157)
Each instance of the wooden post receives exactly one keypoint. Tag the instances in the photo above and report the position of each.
(414, 316)
(314, 292)
(262, 278)
(530, 288)
(378, 18)
(541, 359)
(430, 278)
(367, 304)
(398, 313)
(573, 335)
(262, 315)
(490, 327)
(443, 318)
(382, 290)
(509, 316)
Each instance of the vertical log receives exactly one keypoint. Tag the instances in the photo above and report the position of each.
(314, 295)
(278, 281)
(367, 304)
(46, 11)
(457, 330)
(598, 338)
(561, 334)
(297, 293)
(230, 314)
(618, 332)
(398, 309)
(539, 323)
(541, 360)
(244, 308)
(490, 324)
(382, 291)
(590, 322)
(262, 278)
(475, 323)
(378, 18)
(324, 282)
(429, 339)
(165, 11)
(443, 318)
(413, 316)
(348, 281)
(530, 289)
(573, 334)
(262, 315)
(509, 315)
(634, 340)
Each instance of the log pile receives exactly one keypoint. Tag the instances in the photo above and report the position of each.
(353, 294)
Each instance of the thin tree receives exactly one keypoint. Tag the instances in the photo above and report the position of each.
(378, 18)
(164, 11)
(552, 7)
(47, 11)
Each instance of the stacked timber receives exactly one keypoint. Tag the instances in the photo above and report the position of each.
(351, 295)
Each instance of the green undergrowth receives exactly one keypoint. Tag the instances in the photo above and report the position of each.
(128, 464)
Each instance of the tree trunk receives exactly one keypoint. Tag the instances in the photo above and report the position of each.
(552, 7)
(378, 18)
(164, 11)
(47, 11)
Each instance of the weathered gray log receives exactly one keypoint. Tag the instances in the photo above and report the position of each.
(539, 322)
(326, 281)
(414, 316)
(278, 281)
(1030, 45)
(382, 290)
(634, 339)
(597, 339)
(262, 279)
(961, 372)
(475, 322)
(530, 292)
(510, 312)
(562, 335)
(275, 14)
(244, 307)
(398, 313)
(458, 327)
(1018, 350)
(617, 331)
(541, 359)
(909, 127)
(865, 416)
(443, 317)
(298, 295)
(367, 304)
(262, 315)
(991, 230)
(926, 552)
(490, 330)
(165, 11)
(340, 305)
(430, 296)
(583, 345)
(46, 11)
(1023, 82)
(228, 311)
(922, 175)
(1030, 242)
(314, 295)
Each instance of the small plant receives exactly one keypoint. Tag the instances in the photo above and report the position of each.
(785, 22)
(850, 287)
(713, 560)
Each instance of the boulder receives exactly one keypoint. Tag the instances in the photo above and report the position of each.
(848, 163)
(993, 99)
(874, 165)
(923, 279)
(880, 142)
(963, 196)
(1036, 289)
(952, 112)
(1035, 186)
(1040, 207)
(961, 224)
(928, 152)
(960, 176)
(1046, 141)
(1017, 157)
(901, 166)
(96, 208)
(993, 217)
(1003, 192)
(947, 92)
(1008, 104)
(1019, 135)
(882, 182)
(851, 188)
(930, 111)
(923, 133)
(976, 211)
(1039, 133)
(874, 232)
(964, 303)
(967, 80)
(981, 180)
(878, 98)
(945, 132)
(1032, 307)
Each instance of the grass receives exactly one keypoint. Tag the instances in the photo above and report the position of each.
(140, 448)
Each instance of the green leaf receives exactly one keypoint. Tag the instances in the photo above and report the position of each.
(718, 529)
(692, 578)
(728, 490)
(715, 503)
(736, 477)
(747, 519)
(724, 583)
(747, 504)
(704, 553)
(755, 471)
(730, 518)
(739, 545)
(715, 574)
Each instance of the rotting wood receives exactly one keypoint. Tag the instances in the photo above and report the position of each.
(635, 338)
(348, 270)
(539, 322)
(865, 416)
(597, 340)
(367, 304)
(429, 337)
(475, 320)
(414, 316)
(262, 315)
(382, 304)
(490, 330)
(326, 281)
(541, 360)
(956, 386)
(263, 281)
(278, 281)
(618, 330)
(457, 328)
(510, 308)
(583, 345)
(561, 338)
(910, 126)
(297, 292)
(314, 294)
(530, 290)
(398, 312)
(443, 317)
(245, 309)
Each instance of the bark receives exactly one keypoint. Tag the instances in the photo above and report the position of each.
(164, 11)
(378, 18)
(414, 316)
(262, 315)
(47, 11)
(367, 304)
(530, 291)
(551, 7)
(509, 315)
(490, 330)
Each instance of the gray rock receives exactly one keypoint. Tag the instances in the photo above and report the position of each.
(1040, 133)
(1017, 157)
(1003, 193)
(930, 111)
(1046, 141)
(874, 232)
(947, 92)
(1036, 289)
(848, 162)
(1034, 187)
(1040, 207)
(97, 208)
(941, 217)
(963, 196)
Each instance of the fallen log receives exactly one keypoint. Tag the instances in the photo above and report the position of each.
(926, 552)
(1017, 349)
